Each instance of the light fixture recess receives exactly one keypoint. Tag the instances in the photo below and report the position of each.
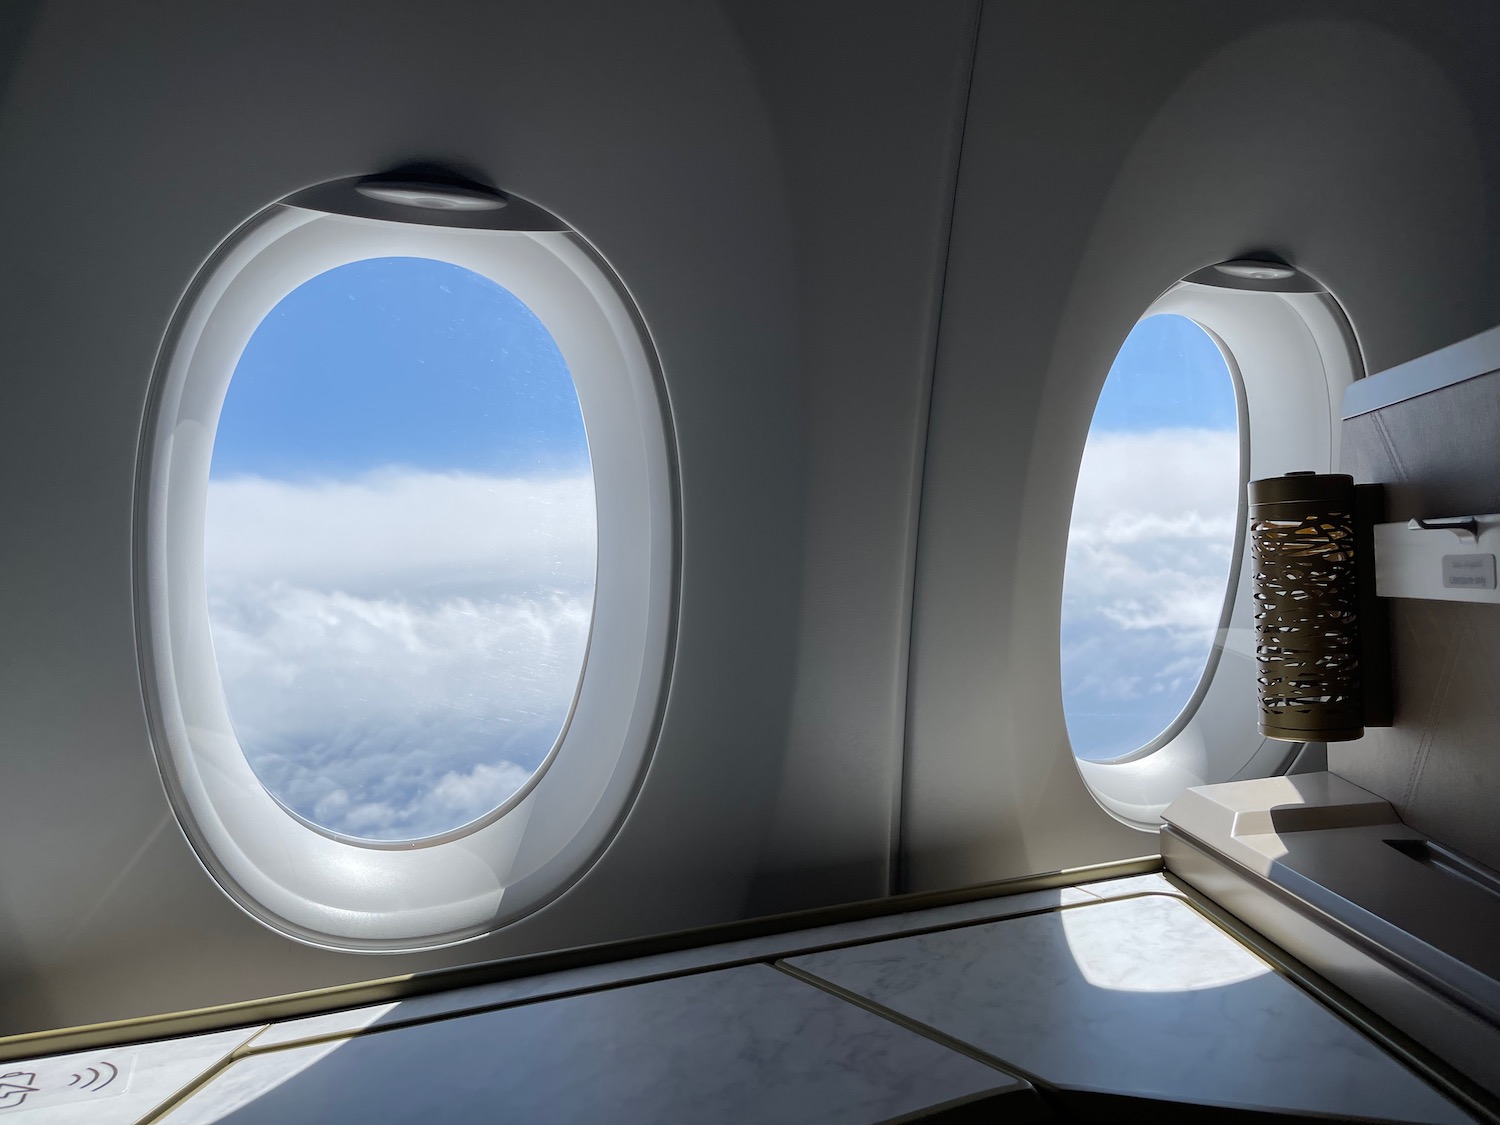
(1256, 271)
(431, 197)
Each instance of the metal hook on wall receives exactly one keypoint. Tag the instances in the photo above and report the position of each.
(1465, 527)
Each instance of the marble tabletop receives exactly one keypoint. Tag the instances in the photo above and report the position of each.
(1116, 989)
(1139, 996)
(735, 1047)
(113, 1085)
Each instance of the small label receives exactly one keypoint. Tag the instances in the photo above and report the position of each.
(1469, 572)
(62, 1081)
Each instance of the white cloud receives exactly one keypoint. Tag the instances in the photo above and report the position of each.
(395, 530)
(399, 651)
(1154, 523)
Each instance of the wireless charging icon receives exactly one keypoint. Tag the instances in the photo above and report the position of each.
(15, 1086)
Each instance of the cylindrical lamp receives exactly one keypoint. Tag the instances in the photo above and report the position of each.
(1307, 607)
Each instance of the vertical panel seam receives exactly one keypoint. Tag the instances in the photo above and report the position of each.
(896, 864)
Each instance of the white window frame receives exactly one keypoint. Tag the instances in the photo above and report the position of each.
(1292, 352)
(297, 878)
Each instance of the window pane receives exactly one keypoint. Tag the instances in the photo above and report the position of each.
(399, 547)
(1151, 538)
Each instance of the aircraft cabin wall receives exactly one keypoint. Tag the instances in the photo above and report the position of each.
(722, 171)
(1110, 151)
(885, 254)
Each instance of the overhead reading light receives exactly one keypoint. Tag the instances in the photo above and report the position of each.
(419, 197)
(1256, 271)
(1255, 275)
(431, 197)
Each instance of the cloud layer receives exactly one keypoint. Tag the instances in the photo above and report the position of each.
(1154, 522)
(399, 651)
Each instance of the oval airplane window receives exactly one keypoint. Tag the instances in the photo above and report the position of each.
(406, 547)
(1151, 557)
(400, 542)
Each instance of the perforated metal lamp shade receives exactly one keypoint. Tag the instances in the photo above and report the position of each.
(1304, 544)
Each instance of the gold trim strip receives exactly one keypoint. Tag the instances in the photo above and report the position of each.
(222, 1017)
(791, 947)
(1428, 1066)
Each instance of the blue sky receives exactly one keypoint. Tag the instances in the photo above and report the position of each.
(1168, 374)
(1149, 545)
(399, 361)
(399, 545)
